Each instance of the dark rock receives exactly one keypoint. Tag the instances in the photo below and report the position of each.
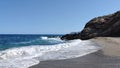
(70, 36)
(103, 26)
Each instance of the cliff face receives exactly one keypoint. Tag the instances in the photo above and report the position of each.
(104, 26)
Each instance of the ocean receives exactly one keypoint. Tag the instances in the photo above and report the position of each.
(23, 51)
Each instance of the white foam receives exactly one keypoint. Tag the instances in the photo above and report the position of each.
(24, 57)
(44, 37)
(55, 39)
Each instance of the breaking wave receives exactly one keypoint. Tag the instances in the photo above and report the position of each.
(24, 57)
(43, 40)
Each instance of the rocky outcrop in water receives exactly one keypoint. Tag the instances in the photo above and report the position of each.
(103, 26)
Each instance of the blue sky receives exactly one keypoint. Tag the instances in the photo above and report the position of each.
(51, 16)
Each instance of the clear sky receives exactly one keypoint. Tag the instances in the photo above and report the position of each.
(51, 16)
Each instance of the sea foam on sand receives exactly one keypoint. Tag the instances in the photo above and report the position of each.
(24, 57)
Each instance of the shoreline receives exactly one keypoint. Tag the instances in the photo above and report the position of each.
(110, 45)
(107, 57)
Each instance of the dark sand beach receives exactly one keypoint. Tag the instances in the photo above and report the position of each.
(107, 57)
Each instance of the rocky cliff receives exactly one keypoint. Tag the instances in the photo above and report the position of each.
(103, 26)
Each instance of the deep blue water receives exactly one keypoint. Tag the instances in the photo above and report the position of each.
(18, 40)
(23, 51)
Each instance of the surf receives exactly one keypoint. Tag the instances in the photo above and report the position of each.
(34, 54)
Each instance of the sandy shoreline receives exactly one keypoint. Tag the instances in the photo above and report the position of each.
(108, 57)
(110, 45)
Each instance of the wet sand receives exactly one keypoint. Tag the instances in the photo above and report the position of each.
(108, 57)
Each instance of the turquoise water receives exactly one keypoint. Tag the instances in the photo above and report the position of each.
(14, 40)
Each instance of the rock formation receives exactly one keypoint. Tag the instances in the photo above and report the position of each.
(103, 26)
